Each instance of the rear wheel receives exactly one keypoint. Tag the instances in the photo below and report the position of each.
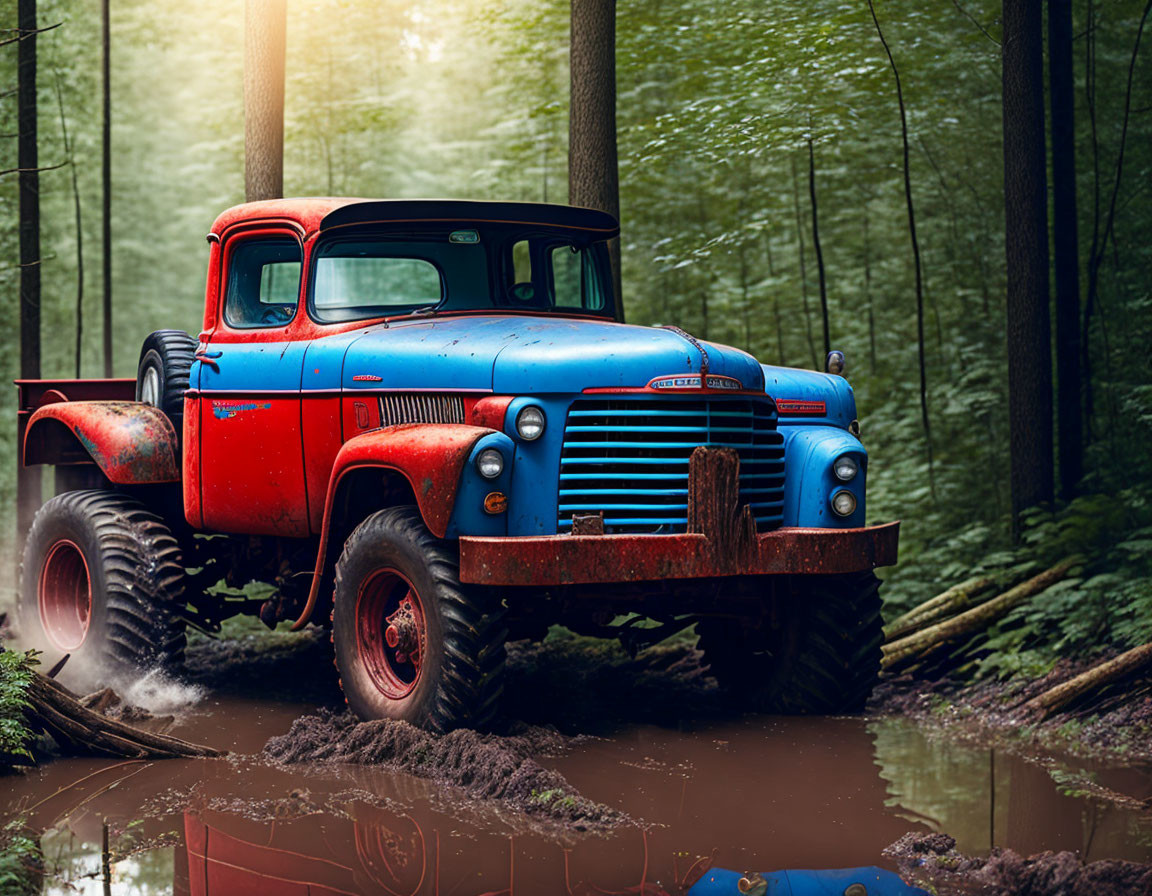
(162, 375)
(102, 580)
(819, 652)
(411, 641)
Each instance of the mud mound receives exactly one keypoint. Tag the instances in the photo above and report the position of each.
(485, 767)
(589, 685)
(931, 861)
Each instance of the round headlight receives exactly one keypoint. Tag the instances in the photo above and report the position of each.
(845, 468)
(490, 463)
(530, 423)
(844, 503)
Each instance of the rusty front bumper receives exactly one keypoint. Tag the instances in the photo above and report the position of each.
(587, 559)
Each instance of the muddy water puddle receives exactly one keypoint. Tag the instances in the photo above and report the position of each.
(754, 793)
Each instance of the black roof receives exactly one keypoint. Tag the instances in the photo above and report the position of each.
(391, 211)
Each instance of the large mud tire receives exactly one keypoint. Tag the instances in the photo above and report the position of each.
(102, 580)
(162, 375)
(819, 654)
(398, 594)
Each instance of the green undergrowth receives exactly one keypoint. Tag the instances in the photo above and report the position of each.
(1106, 604)
(15, 677)
(21, 860)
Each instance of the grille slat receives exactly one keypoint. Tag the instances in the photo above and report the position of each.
(408, 407)
(611, 444)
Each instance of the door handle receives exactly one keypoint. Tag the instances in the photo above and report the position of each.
(207, 357)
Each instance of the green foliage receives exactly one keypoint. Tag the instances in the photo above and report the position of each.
(21, 861)
(15, 677)
(1105, 605)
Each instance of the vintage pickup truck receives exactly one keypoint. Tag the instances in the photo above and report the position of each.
(425, 424)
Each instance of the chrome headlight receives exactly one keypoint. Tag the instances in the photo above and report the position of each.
(844, 503)
(490, 463)
(845, 468)
(530, 423)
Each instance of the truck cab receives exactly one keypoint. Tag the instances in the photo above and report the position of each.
(426, 425)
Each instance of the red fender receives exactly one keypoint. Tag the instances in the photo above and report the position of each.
(131, 443)
(431, 456)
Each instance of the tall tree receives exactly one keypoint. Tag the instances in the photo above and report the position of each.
(1026, 255)
(925, 420)
(106, 175)
(28, 174)
(593, 174)
(1066, 263)
(803, 264)
(265, 36)
(816, 244)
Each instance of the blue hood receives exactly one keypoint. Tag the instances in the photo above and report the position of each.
(810, 385)
(514, 354)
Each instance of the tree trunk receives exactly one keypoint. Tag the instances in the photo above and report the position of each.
(593, 175)
(803, 266)
(868, 300)
(924, 416)
(55, 709)
(28, 481)
(1113, 670)
(1026, 253)
(79, 226)
(1065, 244)
(928, 641)
(816, 246)
(106, 177)
(265, 35)
(955, 599)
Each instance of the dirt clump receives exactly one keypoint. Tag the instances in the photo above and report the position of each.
(485, 767)
(932, 862)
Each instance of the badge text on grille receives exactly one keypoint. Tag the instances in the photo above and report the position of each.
(692, 381)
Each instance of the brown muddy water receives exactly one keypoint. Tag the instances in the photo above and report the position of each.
(715, 789)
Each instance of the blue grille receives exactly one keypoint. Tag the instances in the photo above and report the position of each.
(628, 457)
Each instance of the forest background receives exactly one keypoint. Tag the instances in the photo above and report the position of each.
(761, 180)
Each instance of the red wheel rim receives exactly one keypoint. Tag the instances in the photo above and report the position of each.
(391, 633)
(65, 595)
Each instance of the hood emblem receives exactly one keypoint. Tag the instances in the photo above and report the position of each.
(693, 381)
(796, 407)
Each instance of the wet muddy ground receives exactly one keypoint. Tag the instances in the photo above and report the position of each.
(611, 775)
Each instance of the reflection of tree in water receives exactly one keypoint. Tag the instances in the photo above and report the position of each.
(985, 798)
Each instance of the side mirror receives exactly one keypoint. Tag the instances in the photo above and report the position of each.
(836, 363)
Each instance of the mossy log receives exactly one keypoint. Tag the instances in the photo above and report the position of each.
(928, 641)
(1116, 669)
(955, 599)
(57, 711)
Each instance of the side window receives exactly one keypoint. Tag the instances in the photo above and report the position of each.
(263, 282)
(575, 283)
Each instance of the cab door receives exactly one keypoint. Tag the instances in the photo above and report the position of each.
(251, 455)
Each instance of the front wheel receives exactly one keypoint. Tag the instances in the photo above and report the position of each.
(411, 641)
(818, 652)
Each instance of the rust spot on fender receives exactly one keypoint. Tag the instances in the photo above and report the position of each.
(132, 443)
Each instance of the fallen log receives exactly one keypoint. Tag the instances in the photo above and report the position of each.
(926, 642)
(57, 711)
(955, 599)
(1096, 678)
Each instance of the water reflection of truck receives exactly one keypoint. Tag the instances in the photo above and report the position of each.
(426, 425)
(380, 852)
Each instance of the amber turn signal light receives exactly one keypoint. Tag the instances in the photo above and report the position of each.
(495, 502)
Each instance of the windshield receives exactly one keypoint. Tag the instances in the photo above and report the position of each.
(379, 274)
